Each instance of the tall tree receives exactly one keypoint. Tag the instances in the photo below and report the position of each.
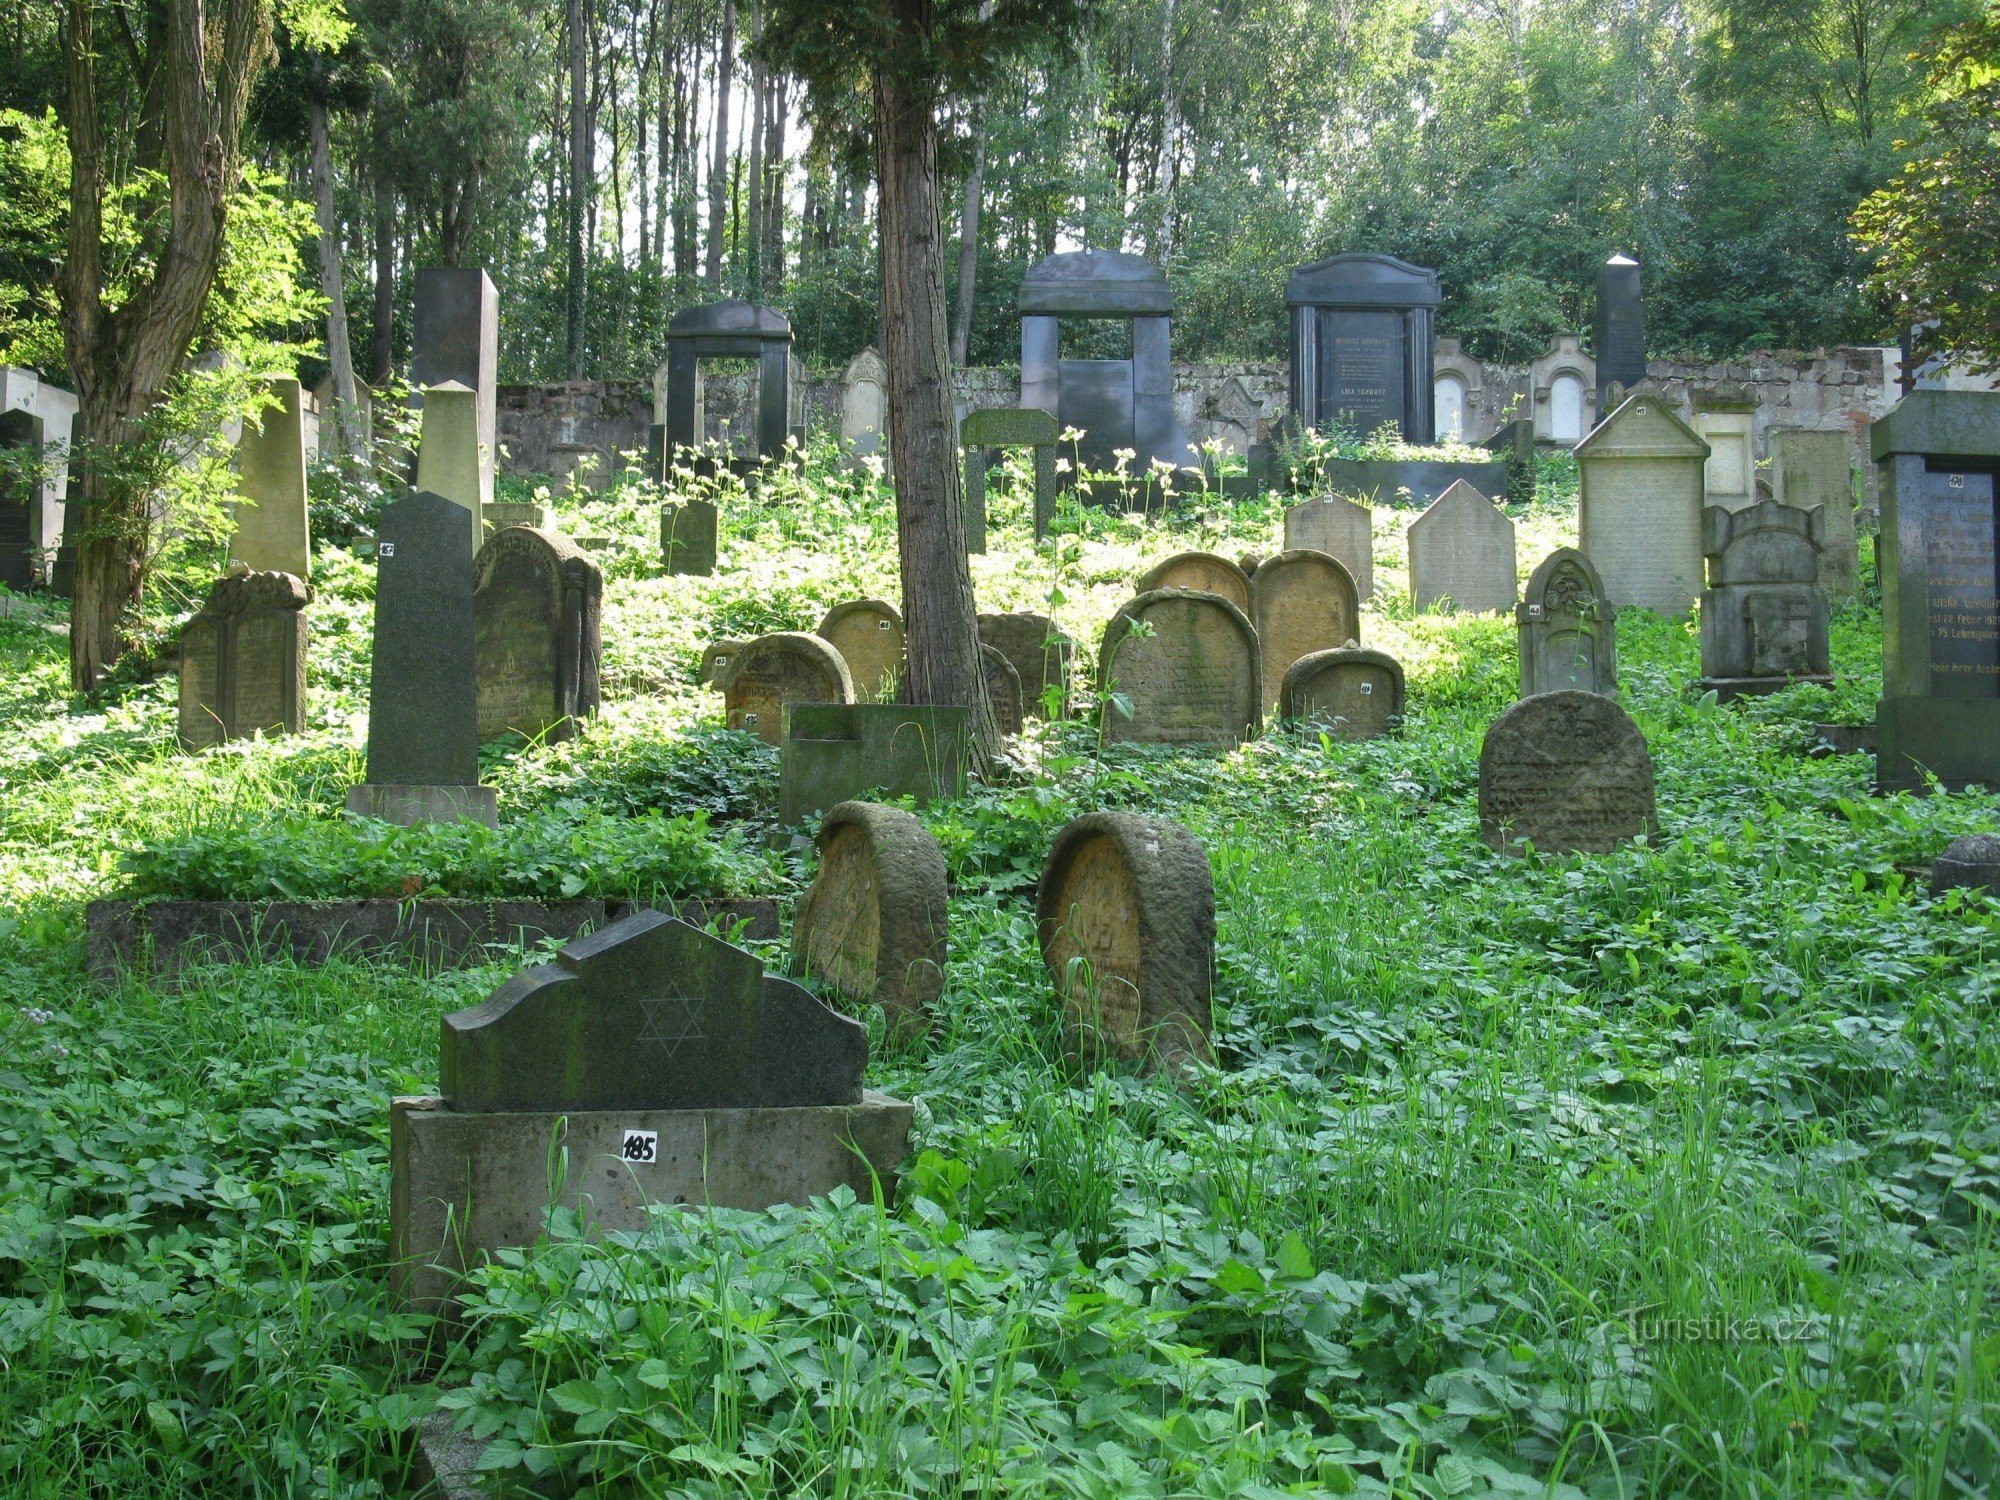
(718, 177)
(579, 192)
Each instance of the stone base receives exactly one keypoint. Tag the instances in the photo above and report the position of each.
(1844, 739)
(407, 806)
(1955, 739)
(1728, 688)
(462, 1186)
(836, 752)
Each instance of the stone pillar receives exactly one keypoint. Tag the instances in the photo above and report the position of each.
(449, 457)
(272, 531)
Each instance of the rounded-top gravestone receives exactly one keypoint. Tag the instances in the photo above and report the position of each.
(718, 662)
(1302, 602)
(1567, 772)
(779, 669)
(1203, 571)
(535, 608)
(1970, 863)
(1125, 914)
(1041, 655)
(1350, 692)
(1189, 678)
(868, 634)
(1003, 689)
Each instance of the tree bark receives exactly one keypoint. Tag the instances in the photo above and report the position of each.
(774, 185)
(718, 177)
(345, 427)
(579, 188)
(754, 237)
(1170, 138)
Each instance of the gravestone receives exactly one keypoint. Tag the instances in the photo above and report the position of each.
(727, 330)
(688, 537)
(1350, 692)
(1003, 690)
(1342, 530)
(718, 660)
(1618, 334)
(1971, 863)
(1763, 617)
(864, 405)
(1813, 467)
(670, 1068)
(1937, 455)
(1301, 602)
(449, 460)
(243, 660)
(536, 605)
(456, 341)
(504, 513)
(271, 527)
(1125, 914)
(1567, 771)
(1362, 344)
(1726, 420)
(1042, 656)
(423, 708)
(1193, 680)
(779, 669)
(836, 753)
(24, 390)
(1203, 571)
(873, 923)
(1639, 505)
(1567, 629)
(1462, 550)
(1009, 427)
(21, 441)
(868, 634)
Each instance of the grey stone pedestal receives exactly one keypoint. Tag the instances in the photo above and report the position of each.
(407, 806)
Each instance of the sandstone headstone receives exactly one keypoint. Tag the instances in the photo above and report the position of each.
(1042, 656)
(500, 514)
(1350, 692)
(243, 660)
(449, 460)
(688, 537)
(1010, 427)
(864, 405)
(1462, 551)
(1566, 771)
(1567, 629)
(873, 923)
(1640, 503)
(1193, 680)
(1969, 863)
(1811, 468)
(1202, 571)
(1125, 913)
(271, 527)
(21, 442)
(1619, 333)
(1764, 619)
(779, 669)
(1342, 530)
(1302, 602)
(868, 633)
(455, 340)
(836, 753)
(1003, 689)
(718, 662)
(536, 606)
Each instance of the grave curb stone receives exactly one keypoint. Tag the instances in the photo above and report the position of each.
(838, 752)
(910, 911)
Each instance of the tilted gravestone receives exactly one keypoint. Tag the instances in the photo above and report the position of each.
(1351, 693)
(536, 604)
(1764, 618)
(836, 753)
(1566, 628)
(1191, 678)
(688, 537)
(272, 535)
(1812, 467)
(449, 460)
(21, 442)
(779, 669)
(243, 660)
(1618, 335)
(455, 340)
(1342, 530)
(1042, 655)
(868, 634)
(1009, 427)
(1639, 505)
(1462, 550)
(1566, 771)
(1301, 602)
(1125, 914)
(1003, 689)
(1202, 571)
(666, 1064)
(873, 923)
(423, 708)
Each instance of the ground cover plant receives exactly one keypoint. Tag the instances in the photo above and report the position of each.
(1673, 1171)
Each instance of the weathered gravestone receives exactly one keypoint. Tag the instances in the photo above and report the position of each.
(423, 708)
(779, 669)
(1362, 344)
(1301, 602)
(1764, 619)
(501, 514)
(1193, 678)
(1726, 420)
(873, 923)
(243, 660)
(868, 634)
(1041, 654)
(1639, 505)
(836, 753)
(1350, 692)
(1969, 863)
(24, 390)
(1342, 530)
(449, 460)
(1462, 550)
(536, 605)
(1203, 571)
(1125, 913)
(668, 1066)
(1003, 689)
(1812, 467)
(271, 527)
(21, 443)
(1008, 427)
(864, 405)
(718, 663)
(688, 537)
(1566, 771)
(1567, 629)
(1937, 455)
(1618, 336)
(455, 341)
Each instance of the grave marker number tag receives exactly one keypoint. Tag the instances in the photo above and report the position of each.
(640, 1146)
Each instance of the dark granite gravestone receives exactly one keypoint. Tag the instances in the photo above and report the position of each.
(536, 604)
(777, 670)
(1618, 336)
(243, 660)
(1361, 344)
(1969, 863)
(1764, 617)
(1937, 462)
(873, 923)
(456, 339)
(1008, 427)
(1115, 403)
(728, 330)
(838, 752)
(1567, 629)
(868, 634)
(1566, 771)
(1191, 677)
(423, 704)
(1350, 693)
(1042, 655)
(688, 537)
(20, 493)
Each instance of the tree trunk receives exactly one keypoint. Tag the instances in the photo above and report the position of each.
(346, 426)
(382, 348)
(1170, 137)
(684, 186)
(754, 238)
(718, 177)
(579, 188)
(774, 185)
(968, 238)
(939, 619)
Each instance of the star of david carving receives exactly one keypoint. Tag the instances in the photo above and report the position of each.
(669, 1023)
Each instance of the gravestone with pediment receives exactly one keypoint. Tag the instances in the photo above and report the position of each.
(1618, 333)
(455, 340)
(243, 660)
(536, 605)
(1566, 628)
(1203, 571)
(868, 634)
(1192, 677)
(1764, 618)
(1814, 467)
(1009, 427)
(1640, 486)
(839, 752)
(864, 405)
(666, 1064)
(272, 534)
(727, 330)
(449, 460)
(777, 670)
(1362, 344)
(1342, 530)
(1350, 693)
(1300, 602)
(1462, 551)
(1042, 656)
(1567, 772)
(873, 923)
(688, 537)
(21, 445)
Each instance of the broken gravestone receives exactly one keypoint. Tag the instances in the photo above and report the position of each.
(1351, 693)
(1003, 689)
(1190, 677)
(243, 660)
(868, 634)
(779, 669)
(1568, 772)
(1202, 571)
(1041, 654)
